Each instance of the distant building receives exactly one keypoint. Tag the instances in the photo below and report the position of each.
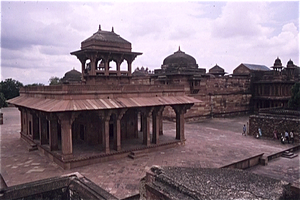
(247, 69)
(272, 88)
(217, 71)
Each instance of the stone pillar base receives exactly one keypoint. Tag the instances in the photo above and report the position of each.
(67, 157)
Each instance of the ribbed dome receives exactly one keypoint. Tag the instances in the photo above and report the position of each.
(179, 58)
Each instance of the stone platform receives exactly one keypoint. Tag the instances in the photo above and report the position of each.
(210, 143)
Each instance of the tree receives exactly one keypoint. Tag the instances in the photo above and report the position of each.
(2, 100)
(294, 101)
(10, 88)
(54, 81)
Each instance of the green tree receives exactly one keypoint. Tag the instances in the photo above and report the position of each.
(2, 100)
(294, 101)
(10, 88)
(54, 80)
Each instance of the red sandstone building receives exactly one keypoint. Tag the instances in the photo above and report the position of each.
(103, 116)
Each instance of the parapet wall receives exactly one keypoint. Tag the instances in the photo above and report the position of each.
(101, 91)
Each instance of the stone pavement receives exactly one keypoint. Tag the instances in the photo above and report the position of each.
(210, 143)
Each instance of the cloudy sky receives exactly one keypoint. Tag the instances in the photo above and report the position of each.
(37, 37)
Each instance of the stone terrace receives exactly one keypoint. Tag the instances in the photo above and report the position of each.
(210, 143)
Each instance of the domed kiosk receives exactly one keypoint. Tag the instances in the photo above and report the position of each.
(71, 77)
(179, 63)
(179, 60)
(102, 55)
(180, 68)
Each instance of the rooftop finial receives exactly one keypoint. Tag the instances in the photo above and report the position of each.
(99, 27)
(179, 48)
(112, 29)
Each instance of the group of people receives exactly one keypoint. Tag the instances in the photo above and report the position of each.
(289, 137)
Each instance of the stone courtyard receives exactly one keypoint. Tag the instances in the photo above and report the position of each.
(210, 143)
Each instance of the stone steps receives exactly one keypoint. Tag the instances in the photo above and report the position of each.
(137, 154)
(32, 147)
(288, 154)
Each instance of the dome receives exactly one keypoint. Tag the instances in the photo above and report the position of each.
(290, 64)
(72, 76)
(180, 59)
(277, 62)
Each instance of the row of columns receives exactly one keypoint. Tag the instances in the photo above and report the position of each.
(106, 58)
(274, 90)
(44, 127)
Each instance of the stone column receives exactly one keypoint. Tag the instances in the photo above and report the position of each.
(35, 127)
(156, 124)
(129, 68)
(105, 117)
(160, 124)
(136, 121)
(106, 70)
(141, 121)
(118, 69)
(22, 120)
(43, 130)
(82, 68)
(180, 110)
(117, 129)
(53, 135)
(146, 125)
(66, 120)
(93, 59)
(106, 136)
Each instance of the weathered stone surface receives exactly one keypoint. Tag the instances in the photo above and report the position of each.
(210, 183)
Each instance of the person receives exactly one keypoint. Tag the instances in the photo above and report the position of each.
(275, 134)
(286, 134)
(292, 136)
(259, 133)
(244, 130)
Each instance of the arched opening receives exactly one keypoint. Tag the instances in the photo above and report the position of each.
(87, 66)
(100, 66)
(124, 66)
(112, 65)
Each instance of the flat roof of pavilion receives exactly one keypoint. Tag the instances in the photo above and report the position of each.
(58, 105)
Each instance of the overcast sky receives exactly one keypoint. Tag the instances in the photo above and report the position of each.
(37, 37)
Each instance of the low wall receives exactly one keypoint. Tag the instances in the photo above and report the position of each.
(246, 163)
(268, 123)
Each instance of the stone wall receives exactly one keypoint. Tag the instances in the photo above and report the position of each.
(220, 96)
(268, 123)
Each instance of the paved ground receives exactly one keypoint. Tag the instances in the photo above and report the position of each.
(210, 143)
